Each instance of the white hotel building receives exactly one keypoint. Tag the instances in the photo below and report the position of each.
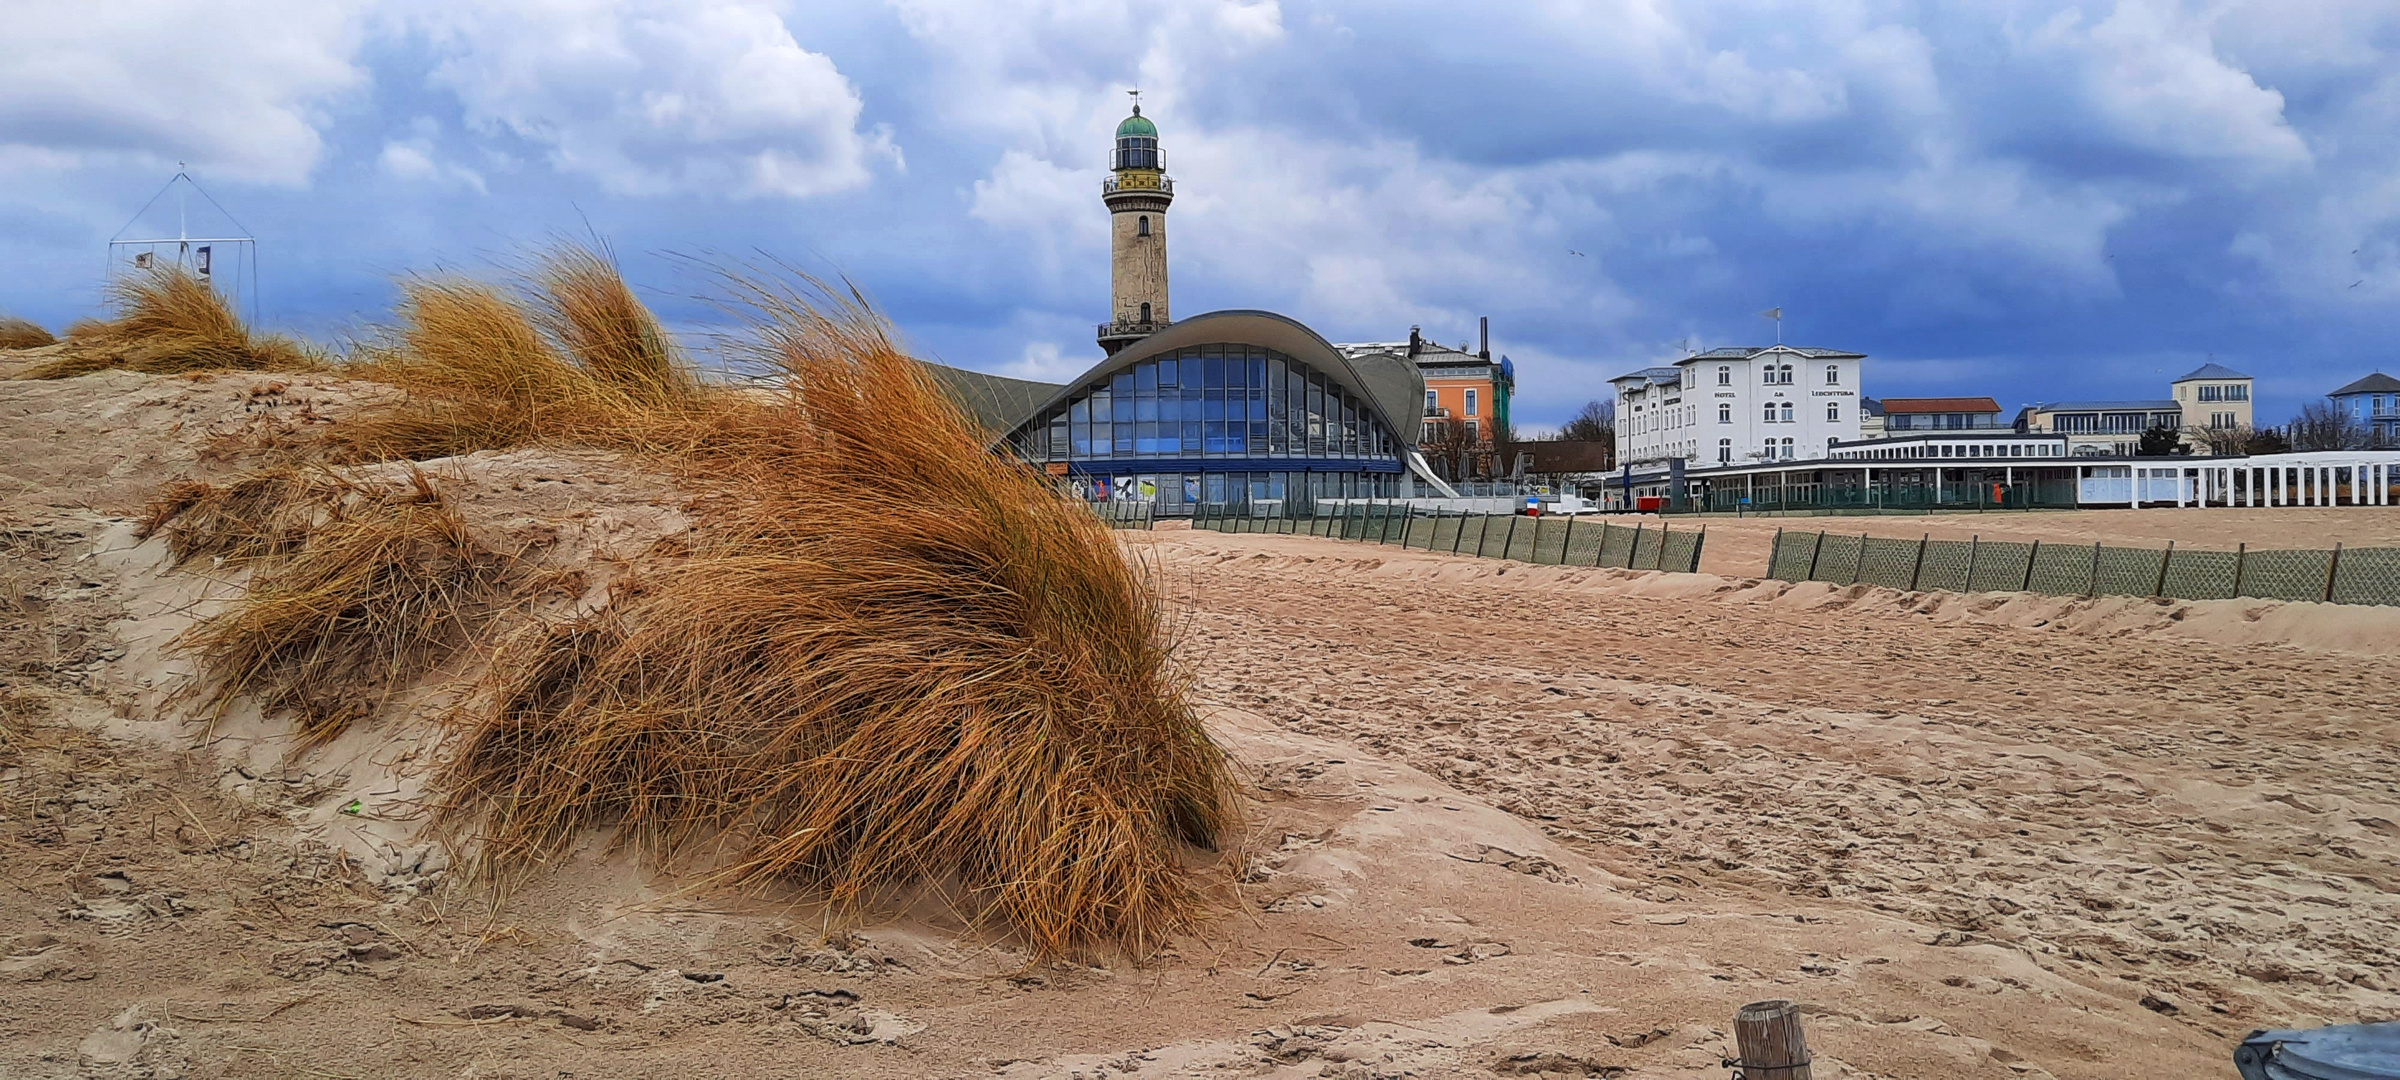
(1740, 406)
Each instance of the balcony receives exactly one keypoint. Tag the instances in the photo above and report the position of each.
(1437, 414)
(1137, 181)
(1128, 329)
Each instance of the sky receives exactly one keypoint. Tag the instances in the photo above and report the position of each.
(2031, 199)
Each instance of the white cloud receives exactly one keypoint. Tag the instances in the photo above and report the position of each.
(2153, 73)
(238, 88)
(652, 97)
(1044, 361)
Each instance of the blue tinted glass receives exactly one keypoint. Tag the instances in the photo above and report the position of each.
(1122, 383)
(1170, 408)
(1145, 407)
(1216, 371)
(1100, 408)
(1191, 435)
(1258, 370)
(1123, 442)
(1237, 438)
(1081, 411)
(1216, 436)
(1258, 404)
(1145, 376)
(1216, 406)
(1145, 437)
(1166, 372)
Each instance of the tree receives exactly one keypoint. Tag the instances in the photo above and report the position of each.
(2160, 441)
(2324, 425)
(1448, 446)
(2222, 440)
(1596, 423)
(2267, 441)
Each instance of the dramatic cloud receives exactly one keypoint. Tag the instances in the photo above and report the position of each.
(655, 97)
(2026, 198)
(239, 87)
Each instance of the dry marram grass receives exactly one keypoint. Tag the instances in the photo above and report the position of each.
(892, 659)
(573, 355)
(16, 333)
(385, 585)
(170, 322)
(889, 658)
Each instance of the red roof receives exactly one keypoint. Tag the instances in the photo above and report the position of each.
(1939, 405)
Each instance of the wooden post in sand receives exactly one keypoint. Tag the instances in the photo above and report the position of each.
(1768, 1043)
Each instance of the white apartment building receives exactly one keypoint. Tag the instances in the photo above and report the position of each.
(1740, 406)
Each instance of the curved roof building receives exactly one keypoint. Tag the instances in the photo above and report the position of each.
(1230, 408)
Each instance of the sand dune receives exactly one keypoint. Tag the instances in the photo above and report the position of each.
(1506, 821)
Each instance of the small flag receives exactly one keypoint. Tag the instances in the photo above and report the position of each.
(1774, 313)
(200, 260)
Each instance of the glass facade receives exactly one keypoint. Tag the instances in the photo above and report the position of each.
(1216, 425)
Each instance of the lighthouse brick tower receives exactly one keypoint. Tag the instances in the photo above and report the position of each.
(1137, 192)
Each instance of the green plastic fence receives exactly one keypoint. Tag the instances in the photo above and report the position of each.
(2341, 575)
(1547, 541)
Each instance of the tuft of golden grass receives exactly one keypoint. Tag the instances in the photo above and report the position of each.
(893, 659)
(889, 659)
(16, 333)
(384, 588)
(170, 323)
(267, 514)
(573, 356)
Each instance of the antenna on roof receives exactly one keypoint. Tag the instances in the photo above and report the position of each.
(1137, 100)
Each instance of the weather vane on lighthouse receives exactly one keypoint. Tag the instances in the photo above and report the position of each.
(1136, 94)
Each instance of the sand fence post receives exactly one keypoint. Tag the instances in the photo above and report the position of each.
(2332, 566)
(1918, 570)
(1774, 548)
(2241, 556)
(1769, 1043)
(2029, 561)
(2164, 561)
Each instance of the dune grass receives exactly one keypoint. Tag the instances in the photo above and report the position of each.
(892, 659)
(387, 585)
(263, 515)
(16, 333)
(170, 323)
(888, 659)
(572, 355)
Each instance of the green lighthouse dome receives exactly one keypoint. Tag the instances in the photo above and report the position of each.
(1137, 125)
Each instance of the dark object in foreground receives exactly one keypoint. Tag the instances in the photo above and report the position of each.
(2344, 1052)
(1769, 1042)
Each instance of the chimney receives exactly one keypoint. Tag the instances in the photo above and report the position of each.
(1486, 352)
(1416, 342)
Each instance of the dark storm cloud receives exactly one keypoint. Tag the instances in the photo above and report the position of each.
(2026, 199)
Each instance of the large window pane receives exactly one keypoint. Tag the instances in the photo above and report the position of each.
(1216, 436)
(1122, 383)
(1166, 372)
(1145, 376)
(1191, 435)
(1100, 408)
(1216, 405)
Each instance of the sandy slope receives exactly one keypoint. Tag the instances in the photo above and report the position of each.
(1509, 821)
